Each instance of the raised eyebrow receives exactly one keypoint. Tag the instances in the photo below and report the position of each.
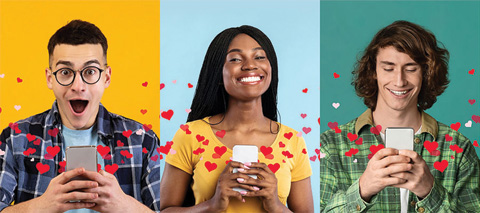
(66, 63)
(94, 61)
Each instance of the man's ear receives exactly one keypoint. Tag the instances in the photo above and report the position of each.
(108, 75)
(50, 78)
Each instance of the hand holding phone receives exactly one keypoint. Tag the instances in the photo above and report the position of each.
(244, 154)
(81, 156)
(399, 138)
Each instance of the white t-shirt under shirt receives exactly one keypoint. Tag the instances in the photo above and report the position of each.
(403, 192)
(82, 138)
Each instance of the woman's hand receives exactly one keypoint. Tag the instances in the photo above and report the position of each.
(265, 186)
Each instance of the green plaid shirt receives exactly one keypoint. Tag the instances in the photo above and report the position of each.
(456, 189)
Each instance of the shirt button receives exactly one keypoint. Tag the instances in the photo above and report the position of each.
(413, 203)
(417, 140)
(358, 208)
(421, 210)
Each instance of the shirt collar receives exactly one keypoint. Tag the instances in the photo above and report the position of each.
(103, 121)
(429, 124)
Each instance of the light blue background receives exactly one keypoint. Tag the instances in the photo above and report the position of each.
(347, 28)
(188, 27)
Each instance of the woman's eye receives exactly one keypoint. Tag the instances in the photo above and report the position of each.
(234, 59)
(260, 57)
(388, 70)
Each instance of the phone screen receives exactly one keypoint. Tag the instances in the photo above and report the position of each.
(81, 156)
(244, 154)
(399, 138)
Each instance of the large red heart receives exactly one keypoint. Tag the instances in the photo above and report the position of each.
(376, 129)
(332, 125)
(288, 135)
(274, 167)
(103, 150)
(53, 132)
(127, 133)
(53, 150)
(167, 114)
(430, 146)
(441, 166)
(266, 150)
(210, 166)
(220, 133)
(375, 148)
(164, 149)
(219, 151)
(126, 153)
(42, 168)
(111, 168)
(352, 136)
(200, 138)
(30, 137)
(455, 126)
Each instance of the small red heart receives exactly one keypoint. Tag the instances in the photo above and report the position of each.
(143, 111)
(19, 80)
(288, 135)
(210, 166)
(99, 167)
(317, 151)
(198, 151)
(147, 127)
(456, 148)
(29, 151)
(476, 118)
(475, 143)
(53, 132)
(103, 150)
(471, 72)
(127, 133)
(53, 150)
(430, 146)
(184, 127)
(352, 136)
(376, 129)
(441, 166)
(337, 130)
(313, 158)
(332, 125)
(287, 154)
(269, 156)
(126, 153)
(62, 163)
(455, 126)
(451, 156)
(48, 156)
(167, 114)
(154, 158)
(164, 149)
(375, 148)
(281, 144)
(359, 141)
(351, 152)
(200, 138)
(318, 121)
(219, 151)
(335, 75)
(111, 168)
(304, 151)
(306, 129)
(169, 143)
(30, 137)
(471, 101)
(190, 85)
(435, 153)
(303, 115)
(220, 133)
(205, 142)
(188, 132)
(266, 150)
(107, 157)
(162, 85)
(274, 167)
(42, 168)
(119, 143)
(145, 84)
(448, 137)
(144, 150)
(305, 90)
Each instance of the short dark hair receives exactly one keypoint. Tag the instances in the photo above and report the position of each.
(210, 98)
(418, 43)
(78, 32)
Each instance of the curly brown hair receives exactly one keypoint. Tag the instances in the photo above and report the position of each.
(418, 43)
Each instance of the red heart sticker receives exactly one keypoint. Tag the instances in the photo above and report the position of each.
(332, 125)
(162, 85)
(154, 158)
(200, 138)
(274, 167)
(288, 135)
(441, 166)
(205, 142)
(303, 115)
(210, 166)
(351, 152)
(317, 151)
(471, 72)
(266, 150)
(127, 133)
(281, 144)
(476, 118)
(62, 163)
(430, 146)
(19, 80)
(111, 168)
(352, 136)
(475, 143)
(53, 150)
(471, 101)
(337, 130)
(456, 148)
(167, 114)
(287, 154)
(219, 151)
(29, 151)
(144, 150)
(145, 84)
(359, 141)
(189, 85)
(306, 129)
(147, 127)
(103, 150)
(30, 137)
(305, 90)
(376, 129)
(126, 153)
(220, 133)
(313, 158)
(37, 142)
(164, 149)
(53, 132)
(184, 127)
(143, 111)
(42, 168)
(119, 143)
(304, 151)
(198, 151)
(99, 167)
(448, 137)
(374, 149)
(455, 126)
(335, 75)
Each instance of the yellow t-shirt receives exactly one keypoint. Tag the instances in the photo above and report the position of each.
(196, 150)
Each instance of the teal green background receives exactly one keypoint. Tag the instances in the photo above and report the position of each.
(347, 27)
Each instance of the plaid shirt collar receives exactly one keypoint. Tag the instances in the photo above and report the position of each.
(103, 121)
(429, 124)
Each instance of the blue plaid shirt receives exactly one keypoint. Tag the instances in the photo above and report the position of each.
(29, 158)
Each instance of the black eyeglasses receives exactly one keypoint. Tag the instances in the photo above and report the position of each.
(66, 76)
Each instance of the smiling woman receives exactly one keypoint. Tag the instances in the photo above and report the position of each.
(235, 104)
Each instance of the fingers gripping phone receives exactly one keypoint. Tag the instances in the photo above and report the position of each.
(244, 154)
(399, 138)
(81, 156)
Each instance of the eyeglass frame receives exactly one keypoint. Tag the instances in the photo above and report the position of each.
(75, 75)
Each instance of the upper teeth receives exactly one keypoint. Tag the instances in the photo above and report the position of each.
(398, 92)
(250, 79)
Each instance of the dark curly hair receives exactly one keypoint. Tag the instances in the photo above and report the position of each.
(418, 43)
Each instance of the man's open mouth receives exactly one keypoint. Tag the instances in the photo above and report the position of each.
(78, 106)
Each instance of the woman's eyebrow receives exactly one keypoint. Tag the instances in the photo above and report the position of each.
(239, 50)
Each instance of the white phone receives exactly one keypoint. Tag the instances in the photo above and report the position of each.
(244, 154)
(399, 138)
(81, 156)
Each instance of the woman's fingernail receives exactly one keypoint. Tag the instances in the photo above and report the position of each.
(241, 170)
(240, 180)
(243, 200)
(243, 192)
(247, 164)
(256, 188)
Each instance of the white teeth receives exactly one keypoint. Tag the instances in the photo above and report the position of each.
(250, 79)
(398, 92)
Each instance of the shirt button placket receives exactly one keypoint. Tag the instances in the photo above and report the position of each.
(421, 209)
(417, 140)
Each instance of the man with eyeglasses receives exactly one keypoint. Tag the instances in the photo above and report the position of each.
(32, 168)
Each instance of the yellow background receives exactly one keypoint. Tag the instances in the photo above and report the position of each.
(132, 29)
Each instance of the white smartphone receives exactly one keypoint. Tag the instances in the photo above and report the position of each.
(81, 156)
(244, 154)
(399, 138)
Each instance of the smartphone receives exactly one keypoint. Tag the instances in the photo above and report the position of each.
(81, 156)
(399, 138)
(244, 154)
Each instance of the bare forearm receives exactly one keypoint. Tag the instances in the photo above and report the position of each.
(20, 207)
(201, 207)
